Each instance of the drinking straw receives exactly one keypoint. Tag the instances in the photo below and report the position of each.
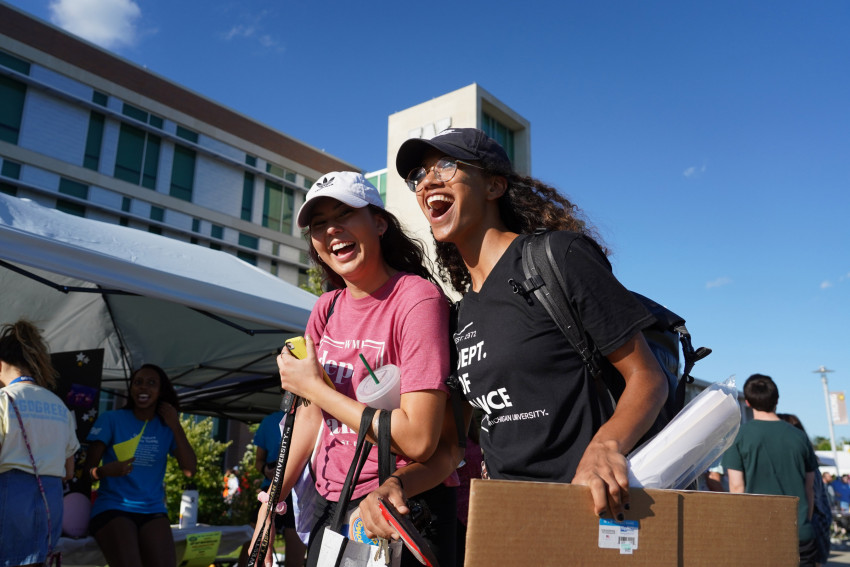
(372, 374)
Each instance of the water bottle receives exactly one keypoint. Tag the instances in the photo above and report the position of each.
(189, 508)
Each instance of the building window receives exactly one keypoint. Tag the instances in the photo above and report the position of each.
(499, 132)
(275, 248)
(249, 241)
(187, 134)
(244, 256)
(277, 207)
(11, 169)
(273, 267)
(308, 183)
(124, 221)
(157, 214)
(196, 225)
(275, 170)
(12, 95)
(380, 182)
(183, 173)
(125, 204)
(15, 64)
(251, 160)
(141, 116)
(217, 231)
(215, 246)
(70, 208)
(100, 98)
(153, 229)
(289, 176)
(303, 278)
(8, 189)
(94, 141)
(247, 196)
(73, 188)
(137, 156)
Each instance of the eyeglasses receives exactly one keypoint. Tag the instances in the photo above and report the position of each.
(444, 170)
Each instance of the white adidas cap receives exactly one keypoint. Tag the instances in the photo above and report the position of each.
(347, 187)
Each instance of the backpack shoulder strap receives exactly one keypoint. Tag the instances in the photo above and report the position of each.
(544, 279)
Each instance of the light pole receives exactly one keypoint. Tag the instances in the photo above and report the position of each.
(823, 372)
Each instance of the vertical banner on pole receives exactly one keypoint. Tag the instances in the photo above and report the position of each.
(79, 387)
(839, 408)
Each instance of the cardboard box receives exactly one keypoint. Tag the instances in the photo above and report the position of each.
(534, 523)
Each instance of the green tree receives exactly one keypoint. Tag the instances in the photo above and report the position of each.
(243, 507)
(314, 281)
(822, 443)
(208, 479)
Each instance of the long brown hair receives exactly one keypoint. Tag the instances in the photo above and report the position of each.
(527, 205)
(22, 345)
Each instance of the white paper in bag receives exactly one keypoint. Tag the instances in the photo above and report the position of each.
(695, 438)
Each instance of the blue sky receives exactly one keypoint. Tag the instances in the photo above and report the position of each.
(709, 142)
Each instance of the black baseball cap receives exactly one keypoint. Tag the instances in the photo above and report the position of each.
(460, 143)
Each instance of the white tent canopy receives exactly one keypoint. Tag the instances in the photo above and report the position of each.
(212, 321)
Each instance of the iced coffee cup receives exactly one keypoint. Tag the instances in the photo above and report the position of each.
(386, 394)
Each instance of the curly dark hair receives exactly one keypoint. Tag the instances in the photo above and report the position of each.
(399, 250)
(527, 205)
(167, 393)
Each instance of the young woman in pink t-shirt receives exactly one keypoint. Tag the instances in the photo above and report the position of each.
(387, 308)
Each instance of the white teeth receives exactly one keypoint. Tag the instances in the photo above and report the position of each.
(340, 246)
(444, 198)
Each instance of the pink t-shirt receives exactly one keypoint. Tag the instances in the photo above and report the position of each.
(405, 323)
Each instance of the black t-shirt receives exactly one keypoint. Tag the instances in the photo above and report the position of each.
(514, 363)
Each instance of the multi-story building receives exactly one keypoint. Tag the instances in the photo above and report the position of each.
(92, 134)
(467, 107)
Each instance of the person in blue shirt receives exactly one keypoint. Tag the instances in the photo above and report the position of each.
(129, 517)
(267, 442)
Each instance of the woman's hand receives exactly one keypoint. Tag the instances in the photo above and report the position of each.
(605, 471)
(117, 468)
(169, 415)
(302, 377)
(373, 519)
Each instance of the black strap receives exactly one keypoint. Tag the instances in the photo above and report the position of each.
(386, 462)
(544, 279)
(361, 453)
(288, 403)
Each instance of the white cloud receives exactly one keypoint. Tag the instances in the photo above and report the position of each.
(825, 284)
(107, 23)
(694, 171)
(718, 282)
(253, 29)
(239, 31)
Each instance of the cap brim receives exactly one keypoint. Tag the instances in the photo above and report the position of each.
(412, 151)
(307, 208)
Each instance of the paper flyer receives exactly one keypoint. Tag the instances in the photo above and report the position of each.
(201, 549)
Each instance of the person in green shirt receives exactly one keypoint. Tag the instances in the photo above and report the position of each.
(771, 456)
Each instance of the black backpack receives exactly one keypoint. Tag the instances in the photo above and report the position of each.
(544, 280)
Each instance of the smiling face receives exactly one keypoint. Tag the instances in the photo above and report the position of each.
(144, 388)
(348, 241)
(458, 209)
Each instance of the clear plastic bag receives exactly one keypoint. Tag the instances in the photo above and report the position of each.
(687, 446)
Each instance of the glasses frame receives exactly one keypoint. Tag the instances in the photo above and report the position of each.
(437, 176)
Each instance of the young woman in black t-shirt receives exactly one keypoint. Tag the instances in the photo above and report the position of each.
(541, 422)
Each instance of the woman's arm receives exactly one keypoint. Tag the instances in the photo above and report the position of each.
(415, 478)
(603, 466)
(415, 425)
(183, 451)
(92, 467)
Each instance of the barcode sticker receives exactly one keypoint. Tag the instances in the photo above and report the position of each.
(618, 535)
